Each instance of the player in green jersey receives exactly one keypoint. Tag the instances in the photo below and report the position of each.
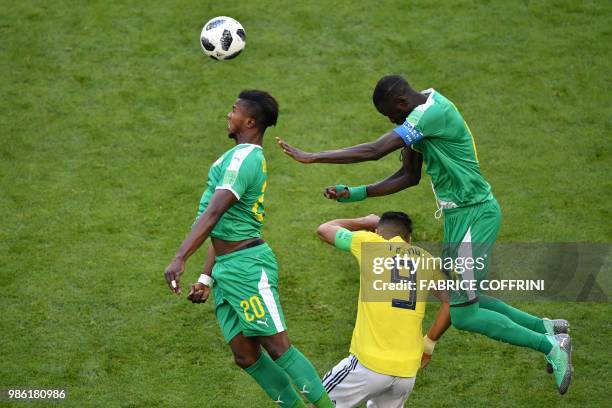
(241, 267)
(432, 130)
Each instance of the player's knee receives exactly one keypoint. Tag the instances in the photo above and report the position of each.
(244, 360)
(276, 345)
(277, 350)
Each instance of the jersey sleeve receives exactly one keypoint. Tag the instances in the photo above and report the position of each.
(343, 239)
(425, 120)
(350, 241)
(240, 173)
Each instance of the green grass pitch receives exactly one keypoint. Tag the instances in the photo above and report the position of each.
(111, 116)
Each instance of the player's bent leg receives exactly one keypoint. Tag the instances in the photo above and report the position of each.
(350, 384)
(475, 230)
(394, 397)
(543, 325)
(298, 368)
(517, 316)
(264, 371)
(247, 280)
(495, 325)
(557, 348)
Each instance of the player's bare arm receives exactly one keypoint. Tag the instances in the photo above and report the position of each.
(199, 292)
(437, 329)
(408, 175)
(219, 203)
(374, 150)
(441, 323)
(327, 231)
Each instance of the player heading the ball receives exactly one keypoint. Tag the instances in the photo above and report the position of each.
(240, 267)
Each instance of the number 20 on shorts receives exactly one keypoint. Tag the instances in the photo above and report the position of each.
(253, 308)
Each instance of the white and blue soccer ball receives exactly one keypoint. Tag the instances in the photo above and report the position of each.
(222, 38)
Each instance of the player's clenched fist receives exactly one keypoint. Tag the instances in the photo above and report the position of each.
(332, 193)
(198, 293)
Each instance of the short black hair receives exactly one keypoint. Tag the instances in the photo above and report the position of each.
(389, 87)
(262, 106)
(398, 220)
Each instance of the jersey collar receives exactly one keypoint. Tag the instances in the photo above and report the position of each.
(430, 100)
(428, 92)
(249, 144)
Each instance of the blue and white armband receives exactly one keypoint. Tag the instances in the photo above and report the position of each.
(408, 133)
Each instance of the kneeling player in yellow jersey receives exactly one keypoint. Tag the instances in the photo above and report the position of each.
(388, 346)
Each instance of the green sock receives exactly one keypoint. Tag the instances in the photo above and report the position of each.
(274, 382)
(497, 326)
(517, 316)
(305, 377)
(324, 402)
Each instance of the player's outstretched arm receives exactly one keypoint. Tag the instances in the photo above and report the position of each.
(219, 203)
(363, 152)
(327, 231)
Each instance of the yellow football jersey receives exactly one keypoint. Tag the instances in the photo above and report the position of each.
(388, 337)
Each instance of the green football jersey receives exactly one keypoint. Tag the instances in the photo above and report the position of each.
(437, 130)
(241, 170)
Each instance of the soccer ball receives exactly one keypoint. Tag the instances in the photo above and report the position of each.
(222, 38)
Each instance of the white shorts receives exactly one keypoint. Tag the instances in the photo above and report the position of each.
(350, 383)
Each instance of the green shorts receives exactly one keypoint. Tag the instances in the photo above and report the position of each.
(469, 233)
(246, 293)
